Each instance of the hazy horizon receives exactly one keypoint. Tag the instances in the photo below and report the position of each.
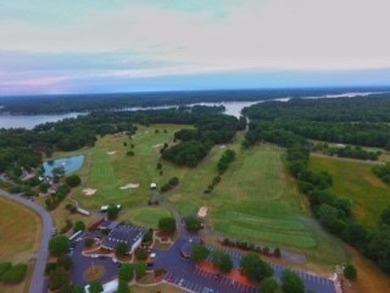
(172, 45)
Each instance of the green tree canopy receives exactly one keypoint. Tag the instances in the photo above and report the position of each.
(59, 245)
(291, 283)
(199, 254)
(254, 268)
(269, 285)
(126, 272)
(193, 224)
(121, 249)
(167, 224)
(222, 261)
(79, 226)
(73, 180)
(350, 272)
(96, 287)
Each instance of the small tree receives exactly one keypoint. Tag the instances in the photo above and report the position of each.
(140, 270)
(89, 242)
(79, 226)
(73, 180)
(254, 268)
(199, 254)
(112, 212)
(130, 153)
(350, 272)
(269, 285)
(96, 287)
(277, 252)
(123, 287)
(193, 224)
(222, 261)
(58, 278)
(65, 261)
(126, 272)
(167, 224)
(141, 253)
(121, 249)
(59, 245)
(292, 283)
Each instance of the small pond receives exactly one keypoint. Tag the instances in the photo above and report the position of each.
(71, 165)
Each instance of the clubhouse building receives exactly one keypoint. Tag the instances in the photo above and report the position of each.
(131, 236)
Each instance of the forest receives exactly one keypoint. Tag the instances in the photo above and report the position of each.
(102, 102)
(25, 148)
(281, 124)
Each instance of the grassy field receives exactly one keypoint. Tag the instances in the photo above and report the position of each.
(354, 180)
(107, 173)
(20, 235)
(146, 217)
(256, 201)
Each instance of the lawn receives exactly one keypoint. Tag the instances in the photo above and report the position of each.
(107, 173)
(354, 180)
(146, 217)
(21, 235)
(257, 201)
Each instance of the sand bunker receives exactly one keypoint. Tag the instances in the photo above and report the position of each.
(129, 186)
(89, 191)
(222, 146)
(111, 153)
(158, 145)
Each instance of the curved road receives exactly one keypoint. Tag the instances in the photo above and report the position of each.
(38, 277)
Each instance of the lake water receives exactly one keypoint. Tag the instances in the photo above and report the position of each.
(232, 108)
(71, 165)
(30, 121)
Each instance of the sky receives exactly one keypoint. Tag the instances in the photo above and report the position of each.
(88, 46)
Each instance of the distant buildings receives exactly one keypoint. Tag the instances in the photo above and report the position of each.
(131, 236)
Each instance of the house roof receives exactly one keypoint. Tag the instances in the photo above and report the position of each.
(123, 234)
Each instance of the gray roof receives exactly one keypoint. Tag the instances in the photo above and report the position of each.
(123, 234)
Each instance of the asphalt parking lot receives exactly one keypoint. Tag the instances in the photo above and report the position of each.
(82, 263)
(312, 282)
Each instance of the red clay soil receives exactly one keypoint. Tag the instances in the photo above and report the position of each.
(233, 275)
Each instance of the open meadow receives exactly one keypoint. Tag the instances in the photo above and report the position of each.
(355, 181)
(21, 232)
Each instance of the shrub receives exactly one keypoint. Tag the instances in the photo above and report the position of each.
(15, 274)
(59, 245)
(73, 180)
(167, 224)
(79, 226)
(121, 249)
(350, 272)
(140, 270)
(126, 272)
(5, 266)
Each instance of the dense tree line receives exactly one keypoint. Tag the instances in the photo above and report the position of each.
(358, 121)
(196, 143)
(24, 148)
(85, 103)
(383, 172)
(334, 213)
(347, 152)
(364, 109)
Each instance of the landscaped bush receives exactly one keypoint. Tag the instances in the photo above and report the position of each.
(140, 270)
(126, 272)
(174, 181)
(73, 180)
(15, 274)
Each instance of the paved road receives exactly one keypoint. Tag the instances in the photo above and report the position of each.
(43, 254)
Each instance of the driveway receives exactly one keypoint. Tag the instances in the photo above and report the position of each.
(37, 281)
(82, 263)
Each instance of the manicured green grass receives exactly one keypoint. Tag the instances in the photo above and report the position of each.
(255, 201)
(107, 173)
(354, 180)
(146, 217)
(258, 202)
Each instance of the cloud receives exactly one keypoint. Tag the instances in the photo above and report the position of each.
(156, 38)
